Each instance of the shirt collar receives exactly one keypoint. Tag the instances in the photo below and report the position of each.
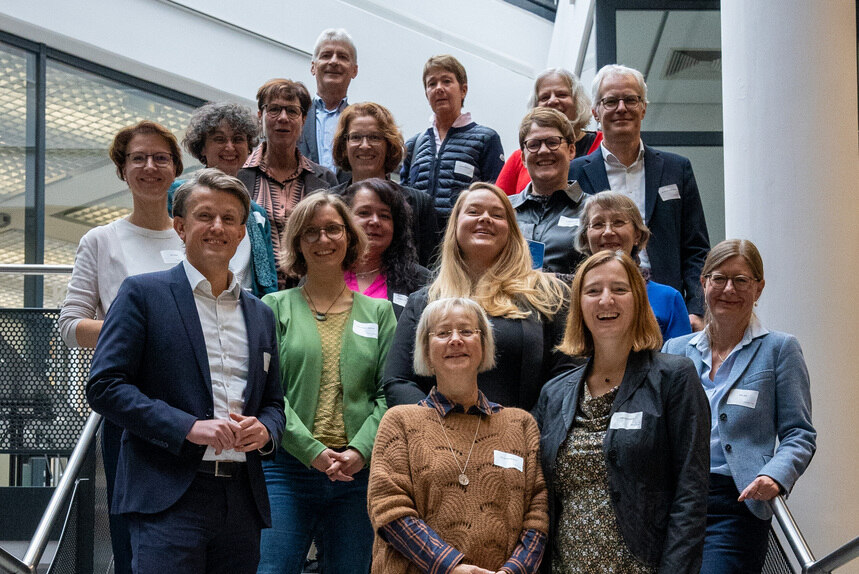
(611, 159)
(573, 191)
(463, 120)
(321, 107)
(755, 329)
(199, 283)
(439, 402)
(255, 159)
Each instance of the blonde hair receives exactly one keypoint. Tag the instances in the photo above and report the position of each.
(510, 288)
(578, 339)
(433, 314)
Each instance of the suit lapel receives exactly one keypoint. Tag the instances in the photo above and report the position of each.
(253, 347)
(594, 169)
(184, 297)
(653, 164)
(309, 133)
(637, 368)
(741, 363)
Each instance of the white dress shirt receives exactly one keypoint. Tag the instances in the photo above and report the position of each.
(628, 180)
(226, 337)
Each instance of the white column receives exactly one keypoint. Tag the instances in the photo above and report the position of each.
(791, 182)
(570, 34)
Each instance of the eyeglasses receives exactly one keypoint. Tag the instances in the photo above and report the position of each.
(446, 334)
(535, 144)
(372, 139)
(629, 102)
(222, 140)
(613, 224)
(332, 231)
(740, 282)
(273, 111)
(140, 159)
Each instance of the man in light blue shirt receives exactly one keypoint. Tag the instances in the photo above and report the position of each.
(334, 65)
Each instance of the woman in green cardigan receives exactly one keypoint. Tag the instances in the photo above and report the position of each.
(332, 344)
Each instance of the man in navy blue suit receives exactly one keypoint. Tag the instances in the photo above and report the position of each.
(186, 364)
(661, 184)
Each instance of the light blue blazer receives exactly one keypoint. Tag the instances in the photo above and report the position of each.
(772, 365)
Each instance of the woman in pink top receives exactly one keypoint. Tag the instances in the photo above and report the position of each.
(389, 268)
(559, 89)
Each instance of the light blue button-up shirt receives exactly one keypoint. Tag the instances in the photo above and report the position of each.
(326, 124)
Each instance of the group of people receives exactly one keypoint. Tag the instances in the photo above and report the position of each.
(439, 374)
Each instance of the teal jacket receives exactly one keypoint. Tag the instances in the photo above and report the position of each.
(366, 340)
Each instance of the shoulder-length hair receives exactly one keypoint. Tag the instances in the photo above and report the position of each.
(578, 339)
(207, 118)
(400, 258)
(299, 220)
(577, 92)
(619, 203)
(433, 314)
(510, 287)
(387, 127)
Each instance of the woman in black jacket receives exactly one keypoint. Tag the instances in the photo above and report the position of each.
(624, 438)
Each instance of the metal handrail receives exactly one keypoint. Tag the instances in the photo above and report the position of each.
(35, 269)
(835, 559)
(54, 512)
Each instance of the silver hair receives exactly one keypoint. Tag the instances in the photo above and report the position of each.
(577, 91)
(335, 35)
(611, 71)
(433, 314)
(207, 118)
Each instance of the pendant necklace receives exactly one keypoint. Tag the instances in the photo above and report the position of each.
(463, 478)
(316, 314)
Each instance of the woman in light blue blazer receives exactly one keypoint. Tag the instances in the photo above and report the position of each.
(757, 384)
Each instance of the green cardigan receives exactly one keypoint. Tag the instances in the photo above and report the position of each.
(362, 360)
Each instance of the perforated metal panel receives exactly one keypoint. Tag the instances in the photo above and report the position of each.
(42, 402)
(776, 561)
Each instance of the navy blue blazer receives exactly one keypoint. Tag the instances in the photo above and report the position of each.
(772, 367)
(150, 376)
(679, 242)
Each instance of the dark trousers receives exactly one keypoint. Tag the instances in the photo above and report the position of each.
(736, 540)
(213, 528)
(120, 540)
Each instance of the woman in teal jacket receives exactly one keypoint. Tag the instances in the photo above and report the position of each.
(333, 343)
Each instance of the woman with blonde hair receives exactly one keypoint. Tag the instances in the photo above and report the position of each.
(485, 257)
(623, 438)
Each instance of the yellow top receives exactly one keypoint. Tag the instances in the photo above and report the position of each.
(328, 426)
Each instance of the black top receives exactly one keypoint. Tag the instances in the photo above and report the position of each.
(525, 359)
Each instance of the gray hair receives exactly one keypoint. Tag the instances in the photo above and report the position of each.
(577, 91)
(211, 178)
(339, 35)
(611, 71)
(207, 118)
(433, 314)
(611, 201)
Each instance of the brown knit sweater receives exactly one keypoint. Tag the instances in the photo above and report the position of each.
(414, 474)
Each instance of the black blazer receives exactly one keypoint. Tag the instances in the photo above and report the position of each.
(150, 376)
(679, 242)
(540, 360)
(657, 474)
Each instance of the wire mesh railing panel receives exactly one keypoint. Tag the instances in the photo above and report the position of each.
(43, 405)
(776, 561)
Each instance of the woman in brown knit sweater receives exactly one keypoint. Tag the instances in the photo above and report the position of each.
(455, 481)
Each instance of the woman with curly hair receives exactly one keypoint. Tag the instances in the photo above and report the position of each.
(485, 257)
(389, 268)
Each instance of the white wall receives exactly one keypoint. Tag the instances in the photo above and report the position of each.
(218, 49)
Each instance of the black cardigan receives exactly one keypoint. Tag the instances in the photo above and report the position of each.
(657, 474)
(540, 362)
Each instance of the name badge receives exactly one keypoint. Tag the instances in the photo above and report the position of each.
(538, 253)
(743, 397)
(568, 221)
(463, 168)
(172, 256)
(400, 299)
(266, 360)
(669, 192)
(508, 460)
(369, 330)
(628, 421)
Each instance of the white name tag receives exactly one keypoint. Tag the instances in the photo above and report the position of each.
(508, 460)
(668, 192)
(743, 397)
(568, 222)
(266, 360)
(259, 218)
(400, 299)
(463, 168)
(172, 256)
(628, 421)
(369, 330)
